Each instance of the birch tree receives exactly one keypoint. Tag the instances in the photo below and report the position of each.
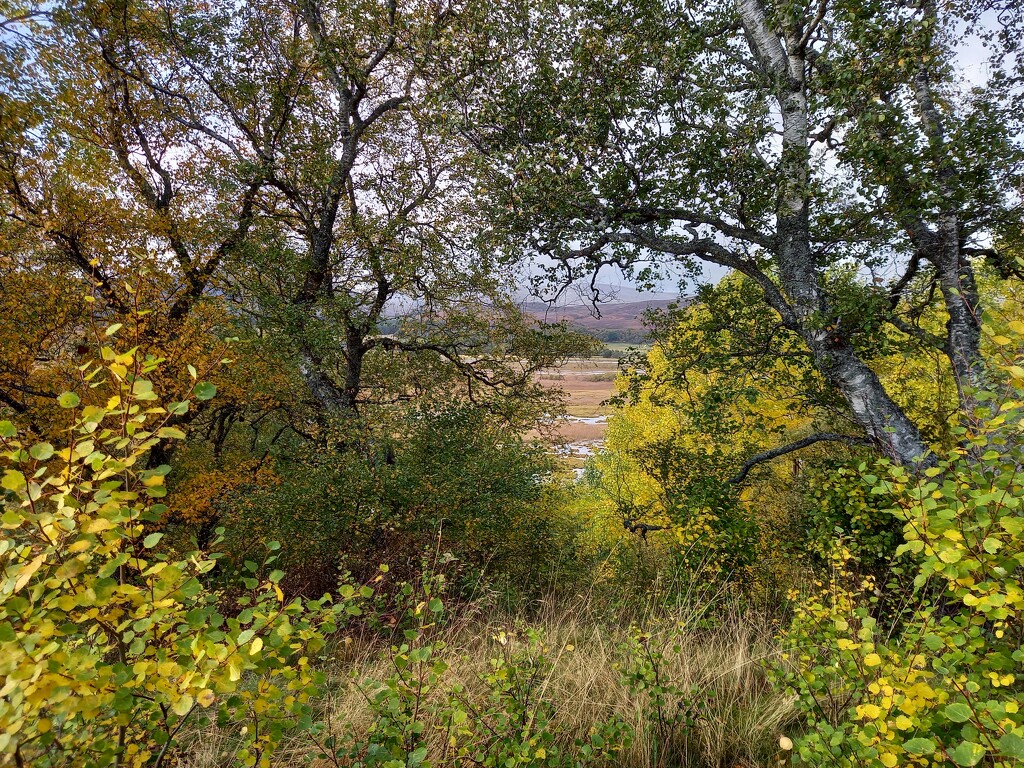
(296, 163)
(779, 140)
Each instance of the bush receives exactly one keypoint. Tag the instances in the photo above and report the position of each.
(110, 643)
(448, 477)
(842, 505)
(938, 682)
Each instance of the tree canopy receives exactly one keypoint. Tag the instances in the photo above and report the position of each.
(790, 142)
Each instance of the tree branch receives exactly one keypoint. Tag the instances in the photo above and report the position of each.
(710, 250)
(797, 445)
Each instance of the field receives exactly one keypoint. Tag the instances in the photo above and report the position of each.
(623, 347)
(587, 384)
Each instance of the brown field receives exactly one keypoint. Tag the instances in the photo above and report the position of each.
(587, 384)
(575, 432)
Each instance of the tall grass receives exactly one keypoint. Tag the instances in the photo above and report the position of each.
(719, 713)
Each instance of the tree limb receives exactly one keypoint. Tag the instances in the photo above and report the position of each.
(796, 445)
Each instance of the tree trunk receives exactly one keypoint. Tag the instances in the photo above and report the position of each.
(954, 270)
(332, 401)
(800, 276)
(886, 423)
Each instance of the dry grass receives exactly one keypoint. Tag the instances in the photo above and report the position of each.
(576, 432)
(586, 383)
(739, 718)
(588, 391)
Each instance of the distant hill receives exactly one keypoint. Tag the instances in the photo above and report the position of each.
(612, 321)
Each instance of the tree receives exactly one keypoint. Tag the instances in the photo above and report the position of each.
(778, 140)
(105, 210)
(290, 172)
(343, 114)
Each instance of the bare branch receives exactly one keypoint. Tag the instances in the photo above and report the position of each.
(796, 445)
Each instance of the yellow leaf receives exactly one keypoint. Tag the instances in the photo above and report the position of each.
(99, 524)
(868, 711)
(206, 697)
(26, 573)
(256, 646)
(872, 660)
(182, 705)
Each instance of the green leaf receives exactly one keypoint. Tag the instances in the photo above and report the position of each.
(919, 746)
(13, 480)
(114, 329)
(92, 414)
(1012, 745)
(205, 390)
(41, 451)
(152, 540)
(178, 409)
(68, 400)
(967, 753)
(7, 429)
(143, 390)
(958, 713)
(1012, 525)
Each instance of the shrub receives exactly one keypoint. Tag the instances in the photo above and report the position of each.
(842, 505)
(449, 475)
(110, 643)
(938, 682)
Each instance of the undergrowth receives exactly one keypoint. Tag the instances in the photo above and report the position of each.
(562, 687)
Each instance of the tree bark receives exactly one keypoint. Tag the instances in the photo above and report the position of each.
(801, 279)
(953, 267)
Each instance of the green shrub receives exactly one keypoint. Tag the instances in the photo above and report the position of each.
(940, 681)
(448, 476)
(843, 506)
(110, 643)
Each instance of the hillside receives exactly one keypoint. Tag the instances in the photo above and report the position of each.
(613, 321)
